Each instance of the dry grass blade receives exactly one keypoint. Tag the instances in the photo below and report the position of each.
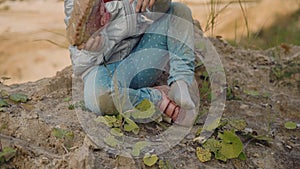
(64, 46)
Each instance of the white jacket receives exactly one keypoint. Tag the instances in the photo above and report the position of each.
(119, 37)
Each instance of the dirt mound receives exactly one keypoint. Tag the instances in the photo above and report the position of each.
(264, 90)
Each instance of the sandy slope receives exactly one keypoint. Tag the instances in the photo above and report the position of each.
(24, 59)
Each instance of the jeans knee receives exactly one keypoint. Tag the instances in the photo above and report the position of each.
(106, 104)
(181, 10)
(100, 103)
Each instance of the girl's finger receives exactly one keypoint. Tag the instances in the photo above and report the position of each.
(138, 5)
(81, 46)
(95, 45)
(151, 3)
(99, 43)
(89, 43)
(145, 4)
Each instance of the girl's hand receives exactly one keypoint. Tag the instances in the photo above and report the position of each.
(93, 44)
(143, 4)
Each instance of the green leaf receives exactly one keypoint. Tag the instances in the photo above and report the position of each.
(4, 93)
(116, 132)
(62, 134)
(19, 98)
(71, 107)
(231, 145)
(203, 155)
(131, 126)
(242, 156)
(290, 125)
(262, 138)
(67, 99)
(229, 93)
(111, 141)
(138, 147)
(213, 125)
(238, 124)
(150, 160)
(220, 156)
(3, 103)
(6, 154)
(213, 145)
(199, 130)
(110, 121)
(252, 92)
(144, 110)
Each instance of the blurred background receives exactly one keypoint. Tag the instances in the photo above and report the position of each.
(33, 43)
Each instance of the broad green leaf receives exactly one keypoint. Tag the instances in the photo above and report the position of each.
(164, 164)
(203, 155)
(290, 125)
(18, 98)
(109, 121)
(111, 141)
(231, 145)
(131, 126)
(6, 154)
(220, 156)
(144, 110)
(3, 103)
(238, 124)
(242, 156)
(118, 123)
(150, 160)
(116, 132)
(213, 125)
(138, 147)
(212, 144)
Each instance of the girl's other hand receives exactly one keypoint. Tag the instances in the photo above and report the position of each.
(143, 4)
(93, 44)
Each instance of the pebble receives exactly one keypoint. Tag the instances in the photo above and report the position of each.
(244, 106)
(190, 136)
(255, 155)
(44, 160)
(190, 149)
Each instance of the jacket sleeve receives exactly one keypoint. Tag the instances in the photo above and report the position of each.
(82, 60)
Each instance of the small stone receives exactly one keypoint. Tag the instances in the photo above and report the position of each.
(190, 136)
(190, 149)
(244, 106)
(44, 160)
(255, 155)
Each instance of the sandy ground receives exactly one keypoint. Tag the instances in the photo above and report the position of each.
(26, 27)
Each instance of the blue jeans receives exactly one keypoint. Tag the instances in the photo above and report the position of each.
(121, 85)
